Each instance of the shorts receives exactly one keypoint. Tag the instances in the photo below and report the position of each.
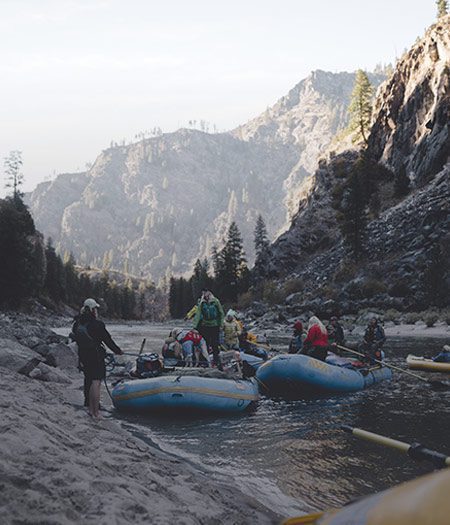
(93, 362)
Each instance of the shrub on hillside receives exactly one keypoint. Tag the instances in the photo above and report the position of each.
(430, 319)
(372, 287)
(412, 318)
(346, 271)
(272, 294)
(293, 286)
(392, 315)
(245, 300)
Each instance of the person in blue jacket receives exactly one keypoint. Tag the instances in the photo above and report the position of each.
(443, 356)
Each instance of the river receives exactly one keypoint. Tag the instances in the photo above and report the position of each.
(292, 455)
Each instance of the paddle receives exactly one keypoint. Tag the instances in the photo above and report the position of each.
(414, 450)
(439, 385)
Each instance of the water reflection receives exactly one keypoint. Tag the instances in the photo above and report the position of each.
(295, 449)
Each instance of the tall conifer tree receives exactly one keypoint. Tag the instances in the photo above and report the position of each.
(360, 107)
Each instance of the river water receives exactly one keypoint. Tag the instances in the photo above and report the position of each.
(292, 455)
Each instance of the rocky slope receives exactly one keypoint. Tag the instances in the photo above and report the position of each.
(411, 131)
(161, 203)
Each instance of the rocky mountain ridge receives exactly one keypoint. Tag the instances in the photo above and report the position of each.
(411, 132)
(156, 205)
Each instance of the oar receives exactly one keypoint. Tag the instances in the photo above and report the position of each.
(436, 384)
(414, 450)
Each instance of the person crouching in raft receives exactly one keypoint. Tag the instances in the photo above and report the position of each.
(316, 342)
(89, 333)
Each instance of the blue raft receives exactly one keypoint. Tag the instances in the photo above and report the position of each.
(186, 393)
(297, 375)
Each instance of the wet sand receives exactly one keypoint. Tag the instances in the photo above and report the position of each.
(59, 466)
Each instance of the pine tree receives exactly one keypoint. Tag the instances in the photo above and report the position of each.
(18, 261)
(55, 279)
(360, 108)
(261, 239)
(357, 192)
(442, 6)
(200, 278)
(14, 178)
(401, 183)
(233, 258)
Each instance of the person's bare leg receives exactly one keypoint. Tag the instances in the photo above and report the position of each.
(94, 399)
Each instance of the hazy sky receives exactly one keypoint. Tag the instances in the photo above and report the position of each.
(76, 74)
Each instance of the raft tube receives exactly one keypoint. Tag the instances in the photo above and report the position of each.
(421, 501)
(298, 375)
(186, 393)
(421, 363)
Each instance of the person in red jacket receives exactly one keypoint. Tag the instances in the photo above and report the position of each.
(316, 342)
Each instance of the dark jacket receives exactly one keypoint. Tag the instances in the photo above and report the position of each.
(97, 334)
(375, 335)
(335, 334)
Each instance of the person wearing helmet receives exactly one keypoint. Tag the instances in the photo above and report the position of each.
(296, 343)
(90, 333)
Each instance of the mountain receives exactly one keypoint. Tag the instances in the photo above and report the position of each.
(157, 205)
(408, 236)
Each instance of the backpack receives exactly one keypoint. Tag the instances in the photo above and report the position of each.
(81, 336)
(209, 311)
(148, 365)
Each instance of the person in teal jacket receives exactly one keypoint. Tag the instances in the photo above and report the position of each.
(208, 321)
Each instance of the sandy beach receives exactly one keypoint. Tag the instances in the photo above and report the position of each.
(59, 466)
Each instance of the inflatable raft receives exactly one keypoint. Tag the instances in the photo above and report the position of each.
(421, 501)
(298, 375)
(186, 393)
(421, 363)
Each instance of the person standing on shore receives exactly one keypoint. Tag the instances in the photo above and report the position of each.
(90, 333)
(208, 321)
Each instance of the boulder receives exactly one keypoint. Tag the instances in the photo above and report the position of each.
(15, 356)
(61, 355)
(47, 373)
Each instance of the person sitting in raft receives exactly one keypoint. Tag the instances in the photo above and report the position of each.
(296, 343)
(231, 331)
(89, 333)
(443, 356)
(193, 346)
(316, 342)
(335, 332)
(374, 339)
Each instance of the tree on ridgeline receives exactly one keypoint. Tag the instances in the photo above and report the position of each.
(200, 278)
(360, 108)
(55, 279)
(352, 200)
(261, 239)
(234, 264)
(14, 178)
(18, 264)
(401, 183)
(442, 6)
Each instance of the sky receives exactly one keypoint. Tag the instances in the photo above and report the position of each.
(76, 74)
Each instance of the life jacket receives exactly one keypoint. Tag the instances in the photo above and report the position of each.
(209, 311)
(190, 335)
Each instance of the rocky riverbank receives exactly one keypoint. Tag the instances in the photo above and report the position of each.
(59, 466)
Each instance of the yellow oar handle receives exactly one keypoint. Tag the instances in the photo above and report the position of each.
(384, 364)
(414, 450)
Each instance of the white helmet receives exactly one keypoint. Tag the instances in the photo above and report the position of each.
(90, 304)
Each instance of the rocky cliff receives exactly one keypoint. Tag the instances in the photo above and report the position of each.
(157, 205)
(406, 235)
